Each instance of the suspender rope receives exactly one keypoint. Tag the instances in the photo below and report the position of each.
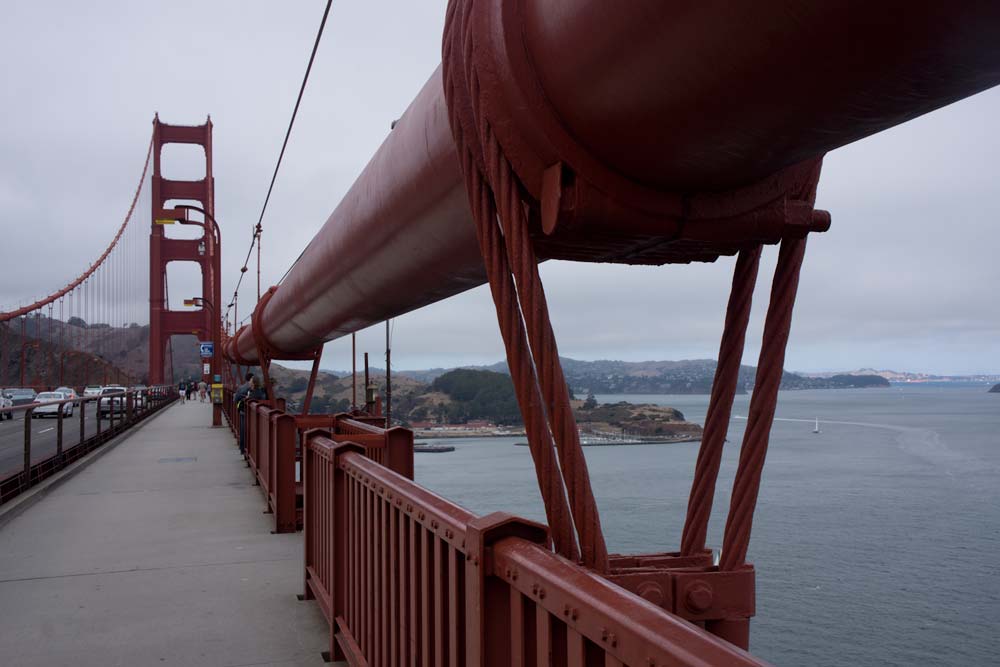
(720, 405)
(511, 267)
(777, 326)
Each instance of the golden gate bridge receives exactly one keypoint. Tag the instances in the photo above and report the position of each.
(643, 134)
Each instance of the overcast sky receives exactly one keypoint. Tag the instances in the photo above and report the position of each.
(906, 279)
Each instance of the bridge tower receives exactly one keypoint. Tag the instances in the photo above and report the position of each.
(205, 251)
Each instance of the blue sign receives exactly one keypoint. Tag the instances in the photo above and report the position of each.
(207, 349)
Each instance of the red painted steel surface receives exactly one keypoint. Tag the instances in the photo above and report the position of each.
(205, 251)
(271, 444)
(666, 132)
(714, 95)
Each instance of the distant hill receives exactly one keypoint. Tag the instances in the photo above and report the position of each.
(995, 389)
(906, 376)
(689, 376)
(52, 341)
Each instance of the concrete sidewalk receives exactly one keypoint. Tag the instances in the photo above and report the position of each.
(156, 554)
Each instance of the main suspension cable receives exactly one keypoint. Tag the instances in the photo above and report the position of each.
(255, 240)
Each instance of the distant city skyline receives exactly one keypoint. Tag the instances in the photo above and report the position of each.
(904, 280)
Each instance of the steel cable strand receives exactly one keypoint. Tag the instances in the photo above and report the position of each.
(545, 356)
(502, 182)
(510, 324)
(777, 327)
(100, 260)
(511, 330)
(720, 405)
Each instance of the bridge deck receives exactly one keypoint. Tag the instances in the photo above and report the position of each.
(156, 554)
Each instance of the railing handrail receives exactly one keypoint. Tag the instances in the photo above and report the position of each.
(438, 514)
(348, 426)
(616, 619)
(80, 399)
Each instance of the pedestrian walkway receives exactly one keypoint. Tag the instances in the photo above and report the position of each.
(156, 554)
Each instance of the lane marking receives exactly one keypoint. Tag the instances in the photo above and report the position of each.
(51, 428)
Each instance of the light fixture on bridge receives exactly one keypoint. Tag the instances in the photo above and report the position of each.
(169, 216)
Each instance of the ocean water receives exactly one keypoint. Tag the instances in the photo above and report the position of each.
(876, 542)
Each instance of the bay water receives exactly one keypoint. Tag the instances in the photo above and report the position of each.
(876, 541)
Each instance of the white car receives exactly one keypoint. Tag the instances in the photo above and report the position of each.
(92, 390)
(6, 403)
(112, 396)
(69, 391)
(50, 405)
(139, 397)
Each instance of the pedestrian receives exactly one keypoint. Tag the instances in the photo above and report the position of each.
(257, 391)
(242, 392)
(190, 390)
(182, 390)
(202, 391)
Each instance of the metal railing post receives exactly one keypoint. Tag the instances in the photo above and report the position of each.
(59, 432)
(83, 420)
(27, 446)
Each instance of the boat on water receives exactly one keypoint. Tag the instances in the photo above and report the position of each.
(433, 449)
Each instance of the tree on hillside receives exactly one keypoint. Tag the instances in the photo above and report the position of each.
(478, 394)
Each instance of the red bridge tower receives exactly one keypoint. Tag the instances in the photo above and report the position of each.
(184, 196)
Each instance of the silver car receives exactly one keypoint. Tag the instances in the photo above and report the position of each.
(111, 397)
(50, 405)
(6, 403)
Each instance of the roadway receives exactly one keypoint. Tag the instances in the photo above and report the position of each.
(43, 437)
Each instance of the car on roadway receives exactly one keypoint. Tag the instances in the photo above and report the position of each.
(92, 390)
(21, 395)
(112, 397)
(6, 402)
(51, 406)
(69, 391)
(139, 398)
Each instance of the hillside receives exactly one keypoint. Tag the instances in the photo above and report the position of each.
(74, 343)
(689, 376)
(995, 389)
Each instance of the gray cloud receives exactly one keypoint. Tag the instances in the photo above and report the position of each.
(905, 278)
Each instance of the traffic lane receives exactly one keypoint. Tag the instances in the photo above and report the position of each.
(44, 437)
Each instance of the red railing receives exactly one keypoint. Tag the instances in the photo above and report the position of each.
(272, 450)
(404, 576)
